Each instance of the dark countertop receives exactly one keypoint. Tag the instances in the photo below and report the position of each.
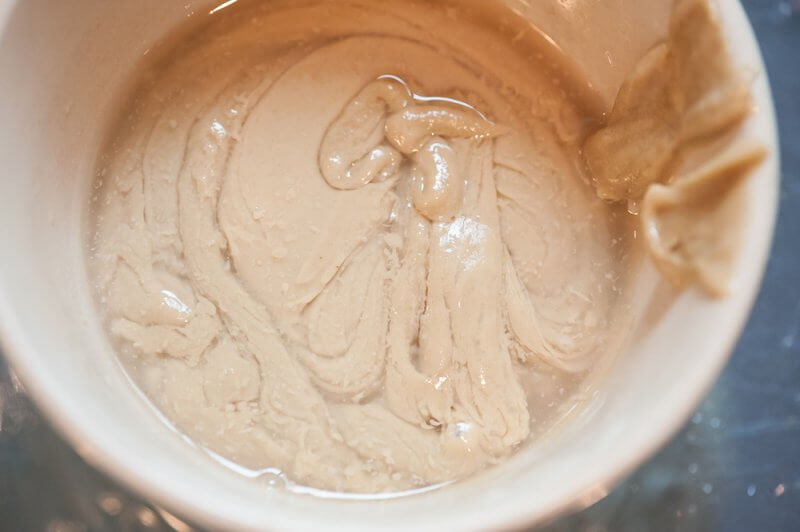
(734, 467)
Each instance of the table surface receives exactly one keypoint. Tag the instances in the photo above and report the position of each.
(734, 466)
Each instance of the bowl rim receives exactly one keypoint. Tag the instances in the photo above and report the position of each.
(101, 451)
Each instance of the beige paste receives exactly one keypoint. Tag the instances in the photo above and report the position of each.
(350, 246)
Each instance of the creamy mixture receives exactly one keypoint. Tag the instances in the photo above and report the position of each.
(350, 243)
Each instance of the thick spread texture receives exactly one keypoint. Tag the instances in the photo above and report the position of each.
(330, 245)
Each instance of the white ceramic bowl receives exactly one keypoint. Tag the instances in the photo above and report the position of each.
(61, 66)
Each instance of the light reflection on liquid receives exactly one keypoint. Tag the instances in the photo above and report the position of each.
(440, 99)
(222, 6)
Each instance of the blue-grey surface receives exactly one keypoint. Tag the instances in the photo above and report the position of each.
(735, 466)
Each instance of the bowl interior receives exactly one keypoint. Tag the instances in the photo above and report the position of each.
(62, 66)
